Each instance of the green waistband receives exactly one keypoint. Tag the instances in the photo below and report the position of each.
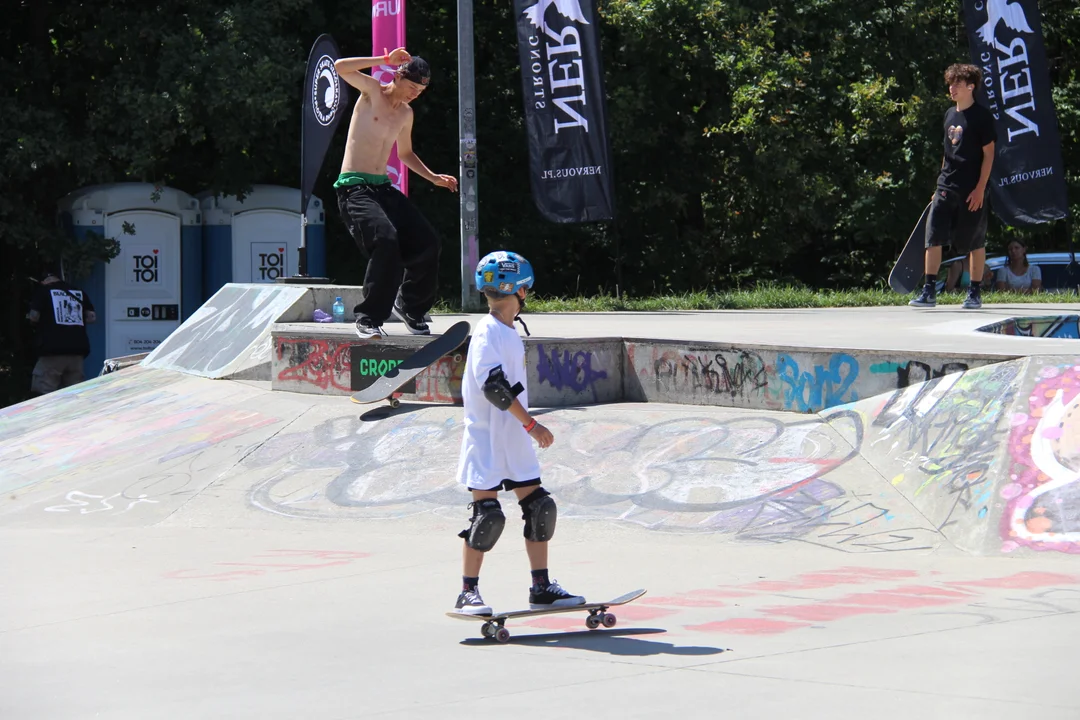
(346, 179)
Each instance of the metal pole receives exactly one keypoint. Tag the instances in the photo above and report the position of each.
(470, 298)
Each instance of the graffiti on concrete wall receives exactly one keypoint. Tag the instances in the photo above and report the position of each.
(821, 386)
(322, 363)
(441, 383)
(566, 369)
(913, 372)
(1043, 492)
(742, 376)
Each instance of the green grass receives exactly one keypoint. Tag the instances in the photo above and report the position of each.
(758, 299)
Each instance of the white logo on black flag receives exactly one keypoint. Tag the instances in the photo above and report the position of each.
(563, 82)
(324, 96)
(1027, 183)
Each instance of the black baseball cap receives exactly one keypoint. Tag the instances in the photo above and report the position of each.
(417, 70)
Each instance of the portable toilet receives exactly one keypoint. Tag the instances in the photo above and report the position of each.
(257, 239)
(155, 283)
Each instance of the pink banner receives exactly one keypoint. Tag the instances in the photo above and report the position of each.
(388, 33)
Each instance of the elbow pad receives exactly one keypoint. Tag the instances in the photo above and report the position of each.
(498, 391)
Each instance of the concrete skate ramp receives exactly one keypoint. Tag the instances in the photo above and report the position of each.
(152, 447)
(990, 457)
(229, 334)
(985, 460)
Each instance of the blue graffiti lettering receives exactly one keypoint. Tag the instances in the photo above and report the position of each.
(808, 392)
(572, 370)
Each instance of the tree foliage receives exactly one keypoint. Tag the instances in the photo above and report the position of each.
(752, 141)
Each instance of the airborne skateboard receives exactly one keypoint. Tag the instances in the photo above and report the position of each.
(384, 387)
(908, 270)
(493, 626)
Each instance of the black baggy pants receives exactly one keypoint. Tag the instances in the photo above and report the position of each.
(401, 246)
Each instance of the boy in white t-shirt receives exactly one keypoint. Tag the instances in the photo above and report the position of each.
(497, 450)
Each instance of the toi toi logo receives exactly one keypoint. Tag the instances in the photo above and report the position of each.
(145, 268)
(271, 265)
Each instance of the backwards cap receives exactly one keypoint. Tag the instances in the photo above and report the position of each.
(417, 70)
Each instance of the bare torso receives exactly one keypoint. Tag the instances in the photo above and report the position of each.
(373, 130)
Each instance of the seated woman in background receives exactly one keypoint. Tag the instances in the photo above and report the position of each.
(1018, 275)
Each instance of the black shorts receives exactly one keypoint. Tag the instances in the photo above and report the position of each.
(951, 223)
(511, 484)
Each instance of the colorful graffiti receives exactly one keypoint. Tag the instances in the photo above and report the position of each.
(1049, 326)
(945, 434)
(1043, 495)
(756, 478)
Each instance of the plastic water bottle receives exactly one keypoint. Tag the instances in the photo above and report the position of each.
(339, 310)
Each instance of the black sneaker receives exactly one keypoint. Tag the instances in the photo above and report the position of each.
(416, 325)
(542, 598)
(974, 299)
(469, 602)
(927, 298)
(367, 329)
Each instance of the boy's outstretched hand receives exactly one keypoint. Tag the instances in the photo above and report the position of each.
(542, 436)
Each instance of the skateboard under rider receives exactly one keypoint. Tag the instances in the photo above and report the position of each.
(493, 626)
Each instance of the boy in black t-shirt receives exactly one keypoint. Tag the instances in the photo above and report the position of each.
(60, 313)
(958, 211)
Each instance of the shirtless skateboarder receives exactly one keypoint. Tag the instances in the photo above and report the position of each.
(386, 226)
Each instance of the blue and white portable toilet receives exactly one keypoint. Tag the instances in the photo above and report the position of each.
(257, 239)
(155, 283)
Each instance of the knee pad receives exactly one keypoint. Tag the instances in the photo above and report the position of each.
(486, 526)
(539, 513)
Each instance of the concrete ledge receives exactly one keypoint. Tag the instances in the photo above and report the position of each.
(313, 358)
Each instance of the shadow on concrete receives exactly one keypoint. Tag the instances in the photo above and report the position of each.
(612, 642)
(381, 412)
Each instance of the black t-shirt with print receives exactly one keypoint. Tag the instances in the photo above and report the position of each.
(967, 132)
(60, 326)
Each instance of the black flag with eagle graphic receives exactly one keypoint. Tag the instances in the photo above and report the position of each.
(565, 110)
(1027, 183)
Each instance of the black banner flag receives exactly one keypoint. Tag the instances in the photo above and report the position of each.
(1027, 184)
(565, 109)
(323, 105)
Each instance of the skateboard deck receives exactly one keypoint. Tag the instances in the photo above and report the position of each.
(385, 385)
(493, 626)
(908, 270)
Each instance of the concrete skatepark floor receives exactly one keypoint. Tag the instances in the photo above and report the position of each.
(173, 546)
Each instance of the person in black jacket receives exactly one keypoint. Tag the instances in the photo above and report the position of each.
(60, 313)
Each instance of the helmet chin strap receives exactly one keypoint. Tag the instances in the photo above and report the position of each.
(517, 318)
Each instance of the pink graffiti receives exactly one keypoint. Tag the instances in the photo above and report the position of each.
(322, 363)
(441, 383)
(1043, 445)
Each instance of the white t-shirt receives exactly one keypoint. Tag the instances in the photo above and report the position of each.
(495, 446)
(1019, 282)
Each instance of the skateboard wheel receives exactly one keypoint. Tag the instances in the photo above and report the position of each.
(488, 630)
(502, 635)
(394, 403)
(609, 620)
(592, 622)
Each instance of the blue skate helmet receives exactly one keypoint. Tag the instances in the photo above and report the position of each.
(504, 272)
